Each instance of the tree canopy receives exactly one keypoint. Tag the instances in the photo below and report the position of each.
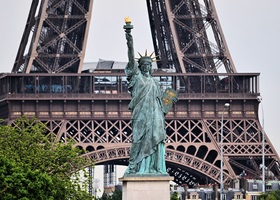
(273, 195)
(116, 195)
(33, 166)
(174, 196)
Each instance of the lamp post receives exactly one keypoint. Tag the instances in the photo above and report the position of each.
(263, 160)
(226, 106)
(95, 186)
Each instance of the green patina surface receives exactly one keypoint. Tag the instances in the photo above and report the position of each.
(149, 105)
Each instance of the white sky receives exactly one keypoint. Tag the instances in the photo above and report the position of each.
(251, 29)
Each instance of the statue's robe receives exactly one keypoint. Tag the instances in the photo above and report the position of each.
(147, 153)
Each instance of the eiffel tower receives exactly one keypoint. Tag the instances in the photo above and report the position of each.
(90, 106)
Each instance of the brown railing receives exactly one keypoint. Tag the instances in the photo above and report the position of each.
(115, 85)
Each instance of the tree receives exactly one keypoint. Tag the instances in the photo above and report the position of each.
(103, 197)
(263, 196)
(33, 166)
(116, 195)
(23, 183)
(174, 196)
(273, 195)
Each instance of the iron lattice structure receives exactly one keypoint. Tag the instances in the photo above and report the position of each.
(187, 36)
(91, 108)
(93, 113)
(55, 36)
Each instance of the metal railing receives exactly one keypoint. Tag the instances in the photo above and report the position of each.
(115, 85)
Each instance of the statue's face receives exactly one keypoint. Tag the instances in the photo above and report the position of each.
(145, 67)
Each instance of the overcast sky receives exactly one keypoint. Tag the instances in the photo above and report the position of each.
(251, 29)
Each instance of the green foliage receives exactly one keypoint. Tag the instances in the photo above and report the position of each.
(276, 193)
(174, 196)
(117, 195)
(273, 195)
(33, 166)
(103, 197)
(262, 196)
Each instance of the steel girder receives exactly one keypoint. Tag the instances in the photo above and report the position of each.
(55, 36)
(187, 36)
(193, 146)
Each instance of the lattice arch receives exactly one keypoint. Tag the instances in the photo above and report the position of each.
(180, 160)
(192, 145)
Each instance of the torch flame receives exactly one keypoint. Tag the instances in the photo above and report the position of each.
(127, 20)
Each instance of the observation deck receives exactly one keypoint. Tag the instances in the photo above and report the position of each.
(72, 95)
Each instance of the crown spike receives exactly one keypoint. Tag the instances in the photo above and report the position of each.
(155, 56)
(146, 55)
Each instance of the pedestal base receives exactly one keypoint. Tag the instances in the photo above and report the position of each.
(146, 187)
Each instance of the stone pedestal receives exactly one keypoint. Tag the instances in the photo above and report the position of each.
(146, 187)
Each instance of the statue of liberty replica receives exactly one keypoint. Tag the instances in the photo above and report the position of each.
(149, 105)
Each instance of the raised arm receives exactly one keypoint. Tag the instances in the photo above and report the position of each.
(129, 39)
(130, 48)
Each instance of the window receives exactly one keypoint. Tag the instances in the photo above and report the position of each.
(268, 187)
(255, 187)
(254, 197)
(208, 196)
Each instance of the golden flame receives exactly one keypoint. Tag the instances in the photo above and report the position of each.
(127, 20)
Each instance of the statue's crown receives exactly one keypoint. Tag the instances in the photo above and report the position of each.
(146, 58)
